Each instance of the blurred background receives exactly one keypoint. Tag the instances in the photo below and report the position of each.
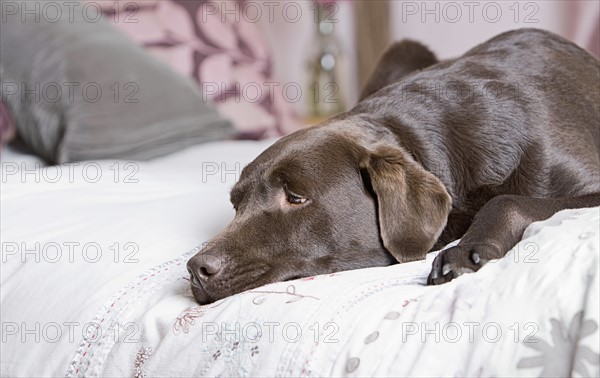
(347, 37)
(365, 28)
(267, 67)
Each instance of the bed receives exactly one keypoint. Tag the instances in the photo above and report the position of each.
(94, 283)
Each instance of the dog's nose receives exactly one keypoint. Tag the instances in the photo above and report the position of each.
(203, 267)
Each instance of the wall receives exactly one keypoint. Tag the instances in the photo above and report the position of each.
(291, 38)
(436, 23)
(452, 27)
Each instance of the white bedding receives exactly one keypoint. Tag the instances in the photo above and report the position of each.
(129, 313)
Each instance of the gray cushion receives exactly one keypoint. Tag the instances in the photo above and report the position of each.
(51, 73)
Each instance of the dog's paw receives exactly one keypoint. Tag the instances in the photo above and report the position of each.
(456, 261)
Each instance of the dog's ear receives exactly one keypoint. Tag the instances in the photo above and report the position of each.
(413, 204)
(401, 59)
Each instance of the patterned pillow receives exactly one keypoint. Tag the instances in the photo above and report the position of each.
(221, 49)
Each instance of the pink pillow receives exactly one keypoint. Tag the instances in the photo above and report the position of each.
(223, 51)
(7, 126)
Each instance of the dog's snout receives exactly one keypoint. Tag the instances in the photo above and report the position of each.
(209, 265)
(203, 267)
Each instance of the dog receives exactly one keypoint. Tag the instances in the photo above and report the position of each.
(475, 148)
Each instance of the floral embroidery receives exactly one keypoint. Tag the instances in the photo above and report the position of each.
(552, 357)
(142, 355)
(290, 290)
(186, 319)
(189, 316)
(230, 355)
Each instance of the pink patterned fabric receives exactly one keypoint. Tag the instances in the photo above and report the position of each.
(7, 126)
(220, 49)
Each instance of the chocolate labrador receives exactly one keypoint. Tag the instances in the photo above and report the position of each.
(475, 148)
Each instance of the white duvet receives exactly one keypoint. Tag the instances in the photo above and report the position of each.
(93, 283)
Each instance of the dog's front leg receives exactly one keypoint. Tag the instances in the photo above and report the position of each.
(497, 227)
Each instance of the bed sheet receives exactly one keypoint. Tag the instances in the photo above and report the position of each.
(94, 283)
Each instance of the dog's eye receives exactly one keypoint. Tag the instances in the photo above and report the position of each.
(295, 199)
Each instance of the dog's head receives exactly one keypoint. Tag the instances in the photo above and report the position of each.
(334, 197)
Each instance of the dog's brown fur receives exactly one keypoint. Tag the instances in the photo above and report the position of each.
(477, 147)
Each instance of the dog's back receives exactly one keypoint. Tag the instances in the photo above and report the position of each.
(518, 114)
